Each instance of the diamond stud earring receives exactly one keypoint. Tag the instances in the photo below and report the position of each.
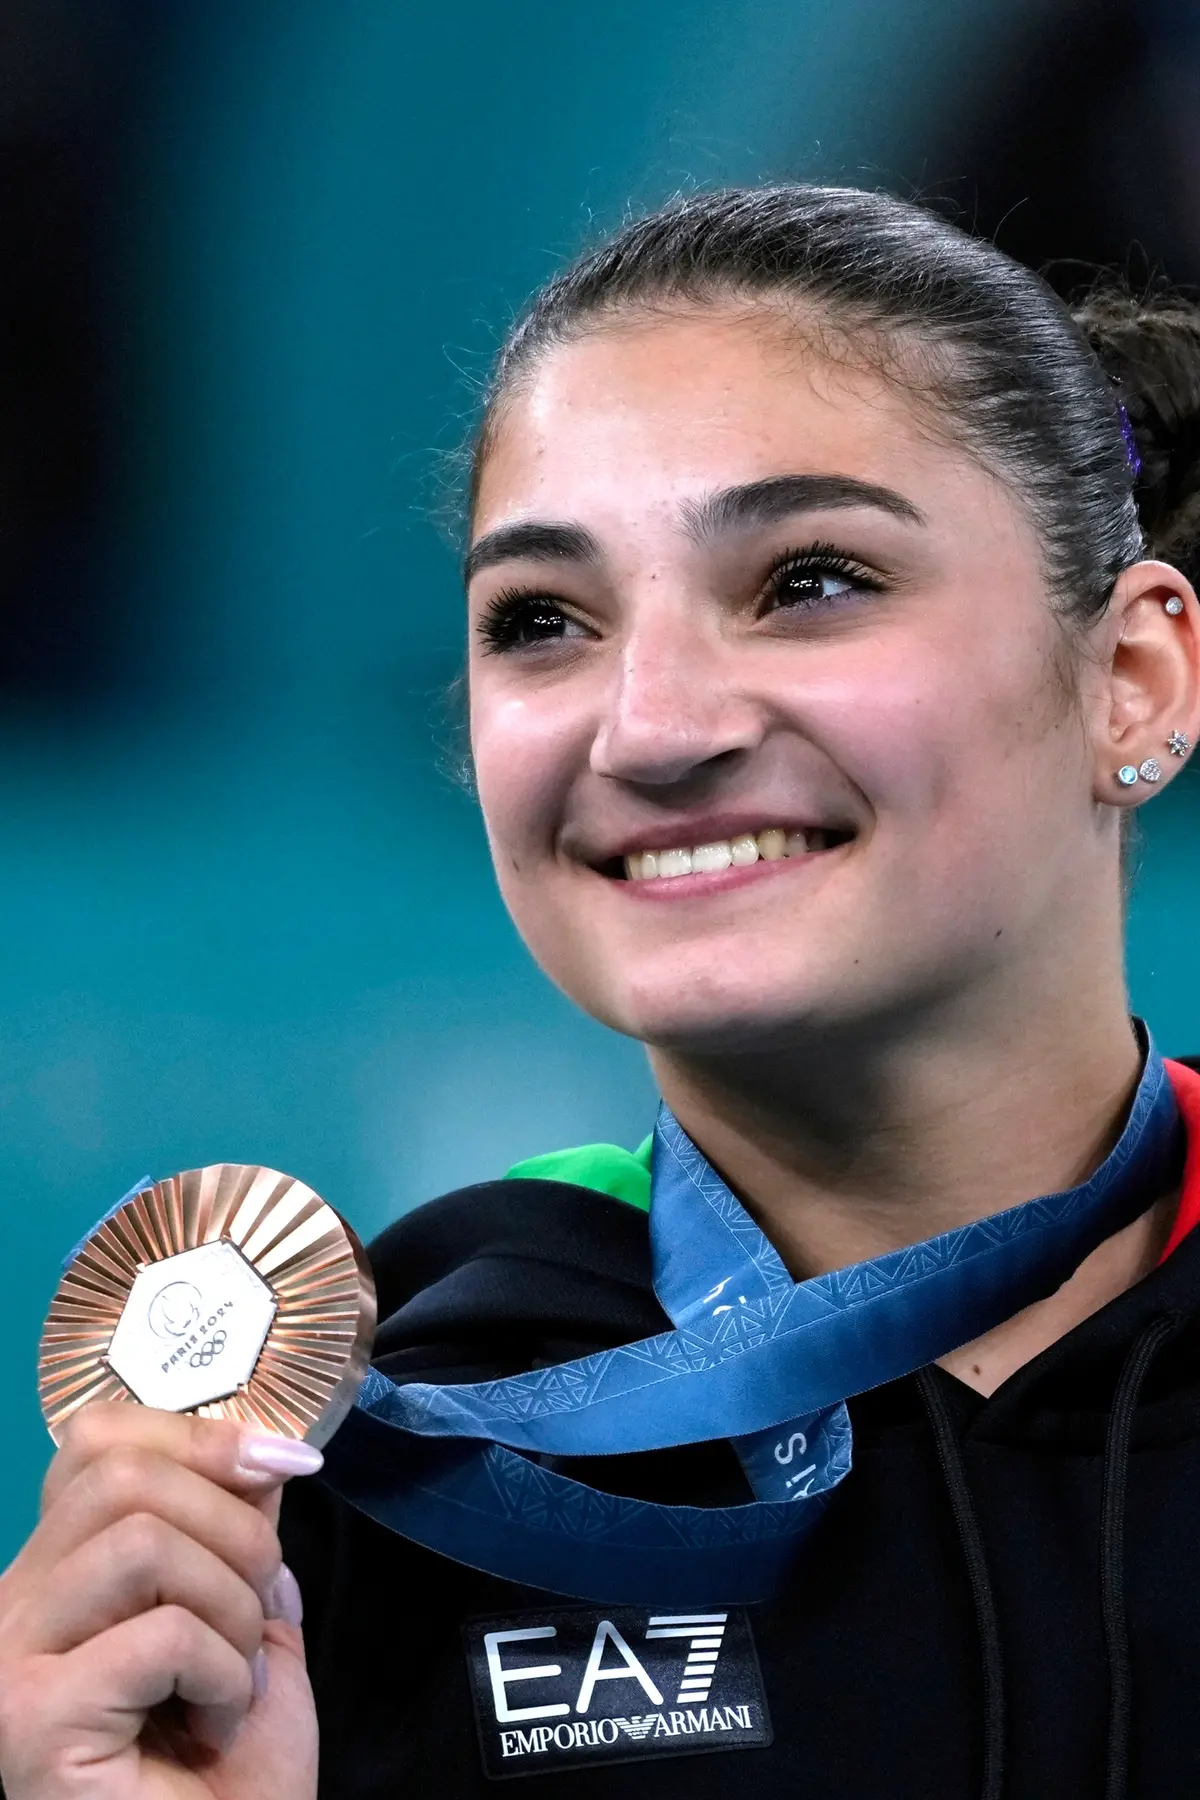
(1127, 775)
(1174, 606)
(1151, 769)
(1179, 743)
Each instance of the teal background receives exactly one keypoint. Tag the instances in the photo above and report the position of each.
(248, 914)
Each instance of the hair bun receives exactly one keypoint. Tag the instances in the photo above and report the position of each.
(1150, 346)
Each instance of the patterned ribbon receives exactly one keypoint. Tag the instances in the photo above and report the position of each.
(754, 1357)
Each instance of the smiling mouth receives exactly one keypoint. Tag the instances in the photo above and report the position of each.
(772, 845)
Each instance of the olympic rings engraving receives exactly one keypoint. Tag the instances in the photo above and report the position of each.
(208, 1351)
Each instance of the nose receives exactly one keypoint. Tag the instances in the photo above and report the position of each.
(675, 711)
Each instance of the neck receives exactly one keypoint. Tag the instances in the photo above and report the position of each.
(872, 1138)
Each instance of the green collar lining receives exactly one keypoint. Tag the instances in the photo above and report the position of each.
(625, 1174)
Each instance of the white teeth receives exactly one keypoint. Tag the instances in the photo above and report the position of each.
(739, 853)
(709, 859)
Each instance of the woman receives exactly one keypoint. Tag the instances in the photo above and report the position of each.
(829, 619)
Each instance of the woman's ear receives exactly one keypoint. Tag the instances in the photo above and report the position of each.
(1150, 716)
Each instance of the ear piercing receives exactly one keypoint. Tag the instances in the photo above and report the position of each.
(1179, 743)
(1151, 770)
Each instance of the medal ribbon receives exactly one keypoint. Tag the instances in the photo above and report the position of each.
(754, 1357)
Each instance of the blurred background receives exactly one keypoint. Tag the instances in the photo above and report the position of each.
(253, 259)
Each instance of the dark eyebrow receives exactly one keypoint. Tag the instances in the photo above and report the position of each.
(732, 509)
(765, 502)
(533, 540)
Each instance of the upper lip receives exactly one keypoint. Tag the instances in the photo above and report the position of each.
(691, 829)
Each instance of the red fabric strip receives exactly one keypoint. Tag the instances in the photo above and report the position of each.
(1186, 1083)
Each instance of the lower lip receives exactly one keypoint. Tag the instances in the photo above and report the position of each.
(724, 881)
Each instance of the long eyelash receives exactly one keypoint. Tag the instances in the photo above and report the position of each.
(499, 624)
(819, 559)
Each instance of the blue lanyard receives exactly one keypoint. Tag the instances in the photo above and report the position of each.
(754, 1357)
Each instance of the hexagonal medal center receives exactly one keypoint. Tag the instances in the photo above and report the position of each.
(192, 1328)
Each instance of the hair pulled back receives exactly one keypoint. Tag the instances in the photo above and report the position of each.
(1150, 348)
(995, 356)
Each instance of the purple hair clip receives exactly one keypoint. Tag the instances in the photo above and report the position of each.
(1131, 449)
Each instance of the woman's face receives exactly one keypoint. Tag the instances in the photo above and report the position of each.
(733, 609)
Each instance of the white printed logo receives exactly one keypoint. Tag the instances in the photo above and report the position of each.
(606, 1633)
(797, 1442)
(595, 1734)
(623, 1684)
(704, 1632)
(638, 1728)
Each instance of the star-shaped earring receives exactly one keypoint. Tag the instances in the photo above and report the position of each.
(1179, 743)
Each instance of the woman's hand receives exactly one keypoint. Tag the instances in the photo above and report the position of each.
(149, 1634)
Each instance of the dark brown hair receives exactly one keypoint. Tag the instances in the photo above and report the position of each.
(1029, 389)
(1150, 348)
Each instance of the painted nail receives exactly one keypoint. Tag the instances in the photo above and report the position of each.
(260, 1454)
(283, 1598)
(259, 1674)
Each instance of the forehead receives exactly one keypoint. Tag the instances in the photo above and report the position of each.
(647, 412)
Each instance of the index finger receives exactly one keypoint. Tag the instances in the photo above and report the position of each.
(244, 1459)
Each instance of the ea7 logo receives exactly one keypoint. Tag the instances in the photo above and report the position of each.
(703, 1631)
(574, 1686)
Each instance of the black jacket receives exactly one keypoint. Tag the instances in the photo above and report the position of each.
(1003, 1600)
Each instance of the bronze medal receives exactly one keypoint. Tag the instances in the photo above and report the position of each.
(231, 1291)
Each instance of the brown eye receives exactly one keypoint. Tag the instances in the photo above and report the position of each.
(814, 580)
(515, 621)
(806, 587)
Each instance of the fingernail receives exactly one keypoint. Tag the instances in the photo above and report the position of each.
(259, 1674)
(260, 1454)
(283, 1598)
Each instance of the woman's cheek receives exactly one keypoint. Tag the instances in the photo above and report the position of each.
(898, 754)
(521, 774)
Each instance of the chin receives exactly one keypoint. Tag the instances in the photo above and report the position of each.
(745, 997)
(704, 1017)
